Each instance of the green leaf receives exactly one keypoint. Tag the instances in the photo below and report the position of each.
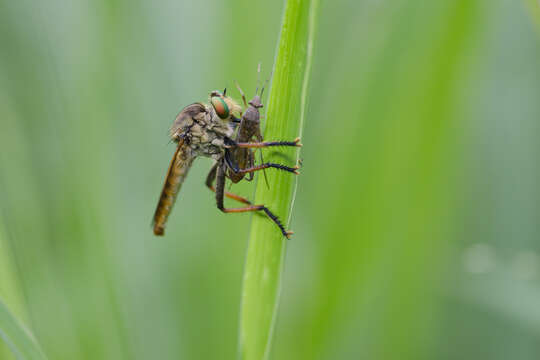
(286, 108)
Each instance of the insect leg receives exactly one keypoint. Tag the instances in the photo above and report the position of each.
(296, 143)
(230, 163)
(210, 184)
(266, 166)
(251, 162)
(220, 186)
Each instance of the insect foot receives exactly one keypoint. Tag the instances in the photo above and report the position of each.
(276, 220)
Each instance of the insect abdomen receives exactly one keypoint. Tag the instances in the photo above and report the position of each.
(178, 169)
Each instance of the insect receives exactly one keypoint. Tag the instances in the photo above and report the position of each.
(249, 128)
(238, 160)
(199, 130)
(206, 130)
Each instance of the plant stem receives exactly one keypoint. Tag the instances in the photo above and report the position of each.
(266, 250)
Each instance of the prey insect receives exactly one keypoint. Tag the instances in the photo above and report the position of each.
(238, 160)
(249, 129)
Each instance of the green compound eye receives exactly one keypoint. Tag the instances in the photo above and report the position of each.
(222, 110)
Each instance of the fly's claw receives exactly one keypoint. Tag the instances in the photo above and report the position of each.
(297, 142)
(296, 172)
(288, 234)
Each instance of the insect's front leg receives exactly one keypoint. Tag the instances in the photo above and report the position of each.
(252, 169)
(231, 164)
(264, 144)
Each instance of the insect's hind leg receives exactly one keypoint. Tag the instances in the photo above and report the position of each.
(220, 187)
(210, 184)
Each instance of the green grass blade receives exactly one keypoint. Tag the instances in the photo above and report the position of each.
(286, 105)
(19, 339)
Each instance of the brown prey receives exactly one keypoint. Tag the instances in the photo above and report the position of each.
(238, 160)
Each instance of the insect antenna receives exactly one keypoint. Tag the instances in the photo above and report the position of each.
(265, 83)
(241, 93)
(258, 78)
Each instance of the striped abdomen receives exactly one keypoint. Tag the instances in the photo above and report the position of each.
(178, 169)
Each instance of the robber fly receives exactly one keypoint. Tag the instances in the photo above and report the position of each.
(203, 130)
(238, 160)
(199, 130)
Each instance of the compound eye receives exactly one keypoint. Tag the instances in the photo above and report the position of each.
(220, 106)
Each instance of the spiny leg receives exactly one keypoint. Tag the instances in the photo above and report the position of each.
(220, 186)
(268, 165)
(265, 144)
(231, 164)
(263, 166)
(210, 184)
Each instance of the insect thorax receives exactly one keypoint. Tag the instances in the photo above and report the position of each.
(202, 130)
(207, 138)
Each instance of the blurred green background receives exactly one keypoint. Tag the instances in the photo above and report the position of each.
(417, 214)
